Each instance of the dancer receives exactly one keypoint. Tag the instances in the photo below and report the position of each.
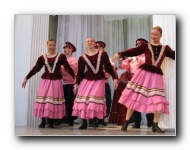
(134, 63)
(90, 100)
(68, 83)
(145, 92)
(50, 102)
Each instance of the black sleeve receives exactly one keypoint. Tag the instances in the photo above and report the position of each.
(39, 64)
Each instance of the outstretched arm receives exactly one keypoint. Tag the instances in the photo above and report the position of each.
(39, 64)
(130, 52)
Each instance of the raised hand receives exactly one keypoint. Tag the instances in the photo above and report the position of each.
(115, 57)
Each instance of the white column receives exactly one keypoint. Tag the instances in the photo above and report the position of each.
(31, 34)
(22, 47)
(168, 25)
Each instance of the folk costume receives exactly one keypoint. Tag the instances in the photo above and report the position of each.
(50, 100)
(145, 92)
(90, 100)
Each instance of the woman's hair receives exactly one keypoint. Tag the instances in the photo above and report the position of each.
(51, 40)
(158, 28)
(91, 38)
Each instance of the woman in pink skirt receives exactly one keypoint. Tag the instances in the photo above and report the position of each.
(145, 92)
(50, 102)
(90, 100)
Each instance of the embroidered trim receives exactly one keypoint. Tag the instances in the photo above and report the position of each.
(90, 99)
(155, 63)
(144, 91)
(43, 99)
(95, 71)
(54, 65)
(50, 97)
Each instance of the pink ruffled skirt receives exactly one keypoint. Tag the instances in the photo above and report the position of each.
(90, 100)
(145, 93)
(50, 100)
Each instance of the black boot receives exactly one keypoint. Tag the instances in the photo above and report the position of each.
(71, 122)
(90, 123)
(43, 123)
(155, 128)
(136, 125)
(84, 124)
(100, 121)
(59, 121)
(50, 123)
(124, 127)
(95, 123)
(104, 123)
(149, 118)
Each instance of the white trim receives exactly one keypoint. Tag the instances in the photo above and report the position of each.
(95, 71)
(54, 65)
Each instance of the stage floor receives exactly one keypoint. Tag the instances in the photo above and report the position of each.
(109, 130)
